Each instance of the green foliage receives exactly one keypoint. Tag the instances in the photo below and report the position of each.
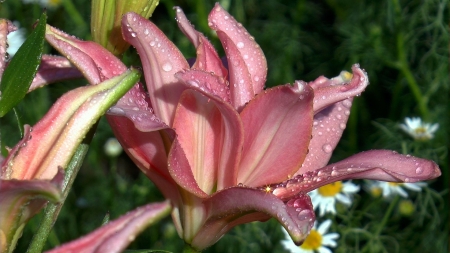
(22, 68)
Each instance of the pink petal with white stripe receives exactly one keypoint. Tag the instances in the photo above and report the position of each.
(227, 132)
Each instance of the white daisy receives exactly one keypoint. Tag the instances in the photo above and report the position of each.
(112, 147)
(373, 187)
(419, 130)
(391, 189)
(15, 39)
(315, 241)
(325, 197)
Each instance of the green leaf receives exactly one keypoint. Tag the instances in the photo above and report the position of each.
(21, 70)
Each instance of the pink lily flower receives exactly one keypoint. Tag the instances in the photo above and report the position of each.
(220, 147)
(32, 173)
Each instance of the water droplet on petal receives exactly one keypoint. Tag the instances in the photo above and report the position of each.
(167, 67)
(327, 148)
(419, 170)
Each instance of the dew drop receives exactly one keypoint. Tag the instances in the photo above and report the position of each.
(347, 103)
(342, 126)
(167, 67)
(327, 148)
(419, 170)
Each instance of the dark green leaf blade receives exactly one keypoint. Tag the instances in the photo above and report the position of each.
(21, 70)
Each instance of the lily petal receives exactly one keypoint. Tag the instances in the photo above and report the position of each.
(197, 123)
(236, 205)
(116, 235)
(385, 165)
(277, 123)
(51, 142)
(207, 58)
(328, 126)
(181, 171)
(19, 201)
(248, 66)
(325, 95)
(160, 59)
(53, 69)
(96, 63)
(225, 135)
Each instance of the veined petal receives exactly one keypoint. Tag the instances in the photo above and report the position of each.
(385, 165)
(237, 205)
(52, 141)
(116, 235)
(181, 171)
(246, 61)
(53, 69)
(328, 93)
(207, 58)
(228, 133)
(160, 59)
(135, 105)
(96, 63)
(277, 128)
(19, 201)
(328, 126)
(198, 124)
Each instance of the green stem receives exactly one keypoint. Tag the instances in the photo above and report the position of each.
(75, 15)
(403, 66)
(387, 216)
(52, 210)
(382, 224)
(412, 83)
(189, 249)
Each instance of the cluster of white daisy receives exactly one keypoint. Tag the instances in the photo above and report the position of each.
(325, 199)
(390, 189)
(419, 130)
(316, 241)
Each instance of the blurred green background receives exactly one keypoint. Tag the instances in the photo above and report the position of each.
(403, 45)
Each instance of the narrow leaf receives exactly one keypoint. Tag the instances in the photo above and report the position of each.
(21, 70)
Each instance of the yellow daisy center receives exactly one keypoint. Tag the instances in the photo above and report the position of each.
(313, 241)
(420, 130)
(54, 2)
(330, 190)
(392, 184)
(375, 191)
